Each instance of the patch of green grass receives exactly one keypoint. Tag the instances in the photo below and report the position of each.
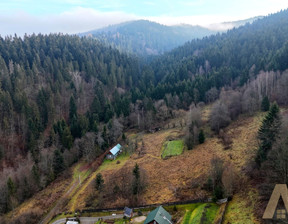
(200, 213)
(111, 164)
(211, 213)
(172, 148)
(186, 218)
(196, 215)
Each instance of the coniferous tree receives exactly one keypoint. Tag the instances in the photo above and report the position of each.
(105, 138)
(11, 187)
(265, 104)
(1, 152)
(12, 201)
(268, 132)
(36, 174)
(216, 175)
(201, 137)
(99, 183)
(72, 109)
(67, 138)
(136, 183)
(58, 163)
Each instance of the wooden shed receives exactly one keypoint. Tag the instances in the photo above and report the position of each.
(114, 152)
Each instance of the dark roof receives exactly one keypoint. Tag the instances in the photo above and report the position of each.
(128, 211)
(160, 215)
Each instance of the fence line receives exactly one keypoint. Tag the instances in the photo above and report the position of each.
(145, 206)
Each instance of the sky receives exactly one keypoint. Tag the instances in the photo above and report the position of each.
(75, 16)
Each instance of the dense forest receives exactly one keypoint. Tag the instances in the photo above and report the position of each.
(54, 89)
(145, 38)
(64, 97)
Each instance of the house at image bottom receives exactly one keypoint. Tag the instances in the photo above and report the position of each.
(128, 212)
(114, 152)
(158, 216)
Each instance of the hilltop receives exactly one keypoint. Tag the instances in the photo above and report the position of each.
(144, 38)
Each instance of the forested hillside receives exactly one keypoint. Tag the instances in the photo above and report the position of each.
(65, 98)
(145, 38)
(230, 59)
(54, 89)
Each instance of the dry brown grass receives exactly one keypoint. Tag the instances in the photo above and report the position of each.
(180, 177)
(177, 178)
(45, 199)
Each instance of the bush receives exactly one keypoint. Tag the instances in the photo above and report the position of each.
(201, 137)
(218, 193)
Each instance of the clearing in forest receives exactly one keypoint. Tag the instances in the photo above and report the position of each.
(172, 148)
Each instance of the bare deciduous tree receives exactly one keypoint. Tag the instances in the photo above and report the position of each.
(219, 117)
(211, 95)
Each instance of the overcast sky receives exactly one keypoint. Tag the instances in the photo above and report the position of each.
(74, 16)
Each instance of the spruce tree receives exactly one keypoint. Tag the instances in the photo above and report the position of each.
(1, 152)
(72, 109)
(99, 182)
(136, 183)
(58, 163)
(11, 187)
(265, 104)
(67, 138)
(201, 137)
(268, 132)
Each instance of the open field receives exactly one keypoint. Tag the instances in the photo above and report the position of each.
(203, 213)
(172, 148)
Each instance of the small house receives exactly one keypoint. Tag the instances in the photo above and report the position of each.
(158, 216)
(128, 212)
(114, 152)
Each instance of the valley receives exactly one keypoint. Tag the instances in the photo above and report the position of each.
(203, 121)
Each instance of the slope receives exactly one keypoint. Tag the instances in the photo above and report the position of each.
(148, 38)
(180, 177)
(231, 58)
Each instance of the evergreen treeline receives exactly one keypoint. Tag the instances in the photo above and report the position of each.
(230, 59)
(63, 97)
(57, 90)
(146, 38)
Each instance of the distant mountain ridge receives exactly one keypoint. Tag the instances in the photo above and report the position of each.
(146, 38)
(143, 37)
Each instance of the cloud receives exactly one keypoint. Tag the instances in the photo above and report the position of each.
(82, 19)
(202, 20)
(74, 21)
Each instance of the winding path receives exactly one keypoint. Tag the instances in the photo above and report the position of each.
(59, 204)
